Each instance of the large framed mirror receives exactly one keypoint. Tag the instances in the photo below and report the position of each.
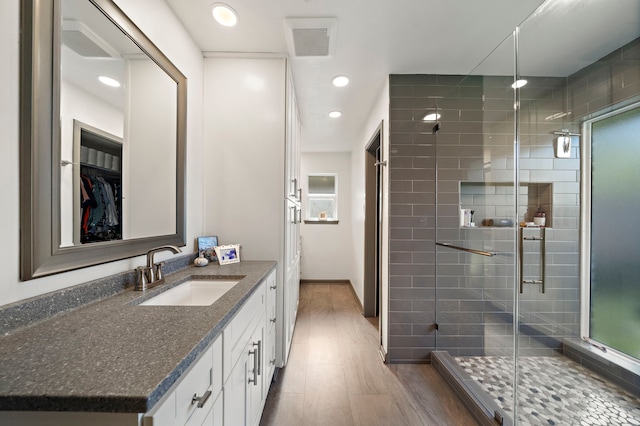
(102, 160)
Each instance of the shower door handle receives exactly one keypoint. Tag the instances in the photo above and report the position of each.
(542, 239)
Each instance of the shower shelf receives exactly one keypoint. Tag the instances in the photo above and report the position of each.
(494, 201)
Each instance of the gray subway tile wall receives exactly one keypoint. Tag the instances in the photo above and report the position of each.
(470, 297)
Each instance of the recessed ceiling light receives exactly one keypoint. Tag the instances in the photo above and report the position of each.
(432, 116)
(335, 114)
(518, 84)
(224, 14)
(112, 82)
(340, 81)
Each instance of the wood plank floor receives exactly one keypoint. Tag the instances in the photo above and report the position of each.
(335, 375)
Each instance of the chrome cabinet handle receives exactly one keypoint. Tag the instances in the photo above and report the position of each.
(201, 400)
(254, 380)
(273, 287)
(259, 344)
(295, 216)
(273, 320)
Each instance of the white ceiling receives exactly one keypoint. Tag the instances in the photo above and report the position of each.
(374, 38)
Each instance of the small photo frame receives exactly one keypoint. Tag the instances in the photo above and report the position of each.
(206, 247)
(228, 254)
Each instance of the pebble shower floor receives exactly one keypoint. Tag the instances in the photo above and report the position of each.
(554, 391)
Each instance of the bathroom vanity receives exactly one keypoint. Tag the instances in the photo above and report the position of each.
(114, 361)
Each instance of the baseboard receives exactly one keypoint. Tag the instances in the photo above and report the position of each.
(325, 282)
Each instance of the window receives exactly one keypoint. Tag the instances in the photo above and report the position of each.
(610, 263)
(322, 198)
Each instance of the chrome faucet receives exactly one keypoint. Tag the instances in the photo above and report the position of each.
(151, 275)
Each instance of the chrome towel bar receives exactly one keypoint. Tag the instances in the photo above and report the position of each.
(542, 239)
(468, 250)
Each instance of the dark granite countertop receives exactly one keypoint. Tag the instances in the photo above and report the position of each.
(112, 355)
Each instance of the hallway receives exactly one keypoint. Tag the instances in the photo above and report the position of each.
(335, 375)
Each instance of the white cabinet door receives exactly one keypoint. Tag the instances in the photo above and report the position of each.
(273, 138)
(218, 410)
(244, 395)
(291, 294)
(214, 417)
(255, 372)
(234, 394)
(271, 321)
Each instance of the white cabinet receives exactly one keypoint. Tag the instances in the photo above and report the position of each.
(192, 399)
(245, 369)
(256, 395)
(271, 320)
(252, 134)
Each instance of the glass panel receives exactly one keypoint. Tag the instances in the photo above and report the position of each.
(322, 197)
(140, 111)
(615, 235)
(319, 207)
(576, 68)
(476, 205)
(322, 184)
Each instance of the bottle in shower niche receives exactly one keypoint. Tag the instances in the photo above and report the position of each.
(540, 217)
(465, 217)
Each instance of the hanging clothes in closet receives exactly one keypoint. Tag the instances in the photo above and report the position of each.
(101, 197)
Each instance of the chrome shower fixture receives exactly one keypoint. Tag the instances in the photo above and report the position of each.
(563, 143)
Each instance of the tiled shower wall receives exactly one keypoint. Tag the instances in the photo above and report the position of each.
(412, 216)
(475, 144)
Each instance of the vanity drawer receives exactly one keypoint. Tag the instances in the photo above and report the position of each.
(199, 382)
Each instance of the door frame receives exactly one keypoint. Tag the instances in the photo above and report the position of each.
(373, 225)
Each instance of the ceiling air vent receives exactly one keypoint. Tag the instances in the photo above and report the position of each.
(79, 38)
(311, 37)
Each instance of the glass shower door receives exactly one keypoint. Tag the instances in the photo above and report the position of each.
(511, 216)
(476, 226)
(574, 74)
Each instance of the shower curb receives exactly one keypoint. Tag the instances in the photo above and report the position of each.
(474, 398)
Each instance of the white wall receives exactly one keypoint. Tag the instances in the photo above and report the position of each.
(151, 123)
(379, 113)
(245, 153)
(327, 250)
(170, 36)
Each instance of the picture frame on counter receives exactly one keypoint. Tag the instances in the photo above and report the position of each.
(206, 247)
(228, 254)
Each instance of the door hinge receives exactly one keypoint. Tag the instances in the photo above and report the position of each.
(435, 326)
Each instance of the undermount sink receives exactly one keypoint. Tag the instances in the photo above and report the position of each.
(195, 292)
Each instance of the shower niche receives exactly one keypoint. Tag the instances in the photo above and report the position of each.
(492, 202)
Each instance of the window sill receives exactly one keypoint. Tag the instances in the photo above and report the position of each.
(321, 222)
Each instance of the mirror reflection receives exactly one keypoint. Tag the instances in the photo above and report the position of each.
(118, 127)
